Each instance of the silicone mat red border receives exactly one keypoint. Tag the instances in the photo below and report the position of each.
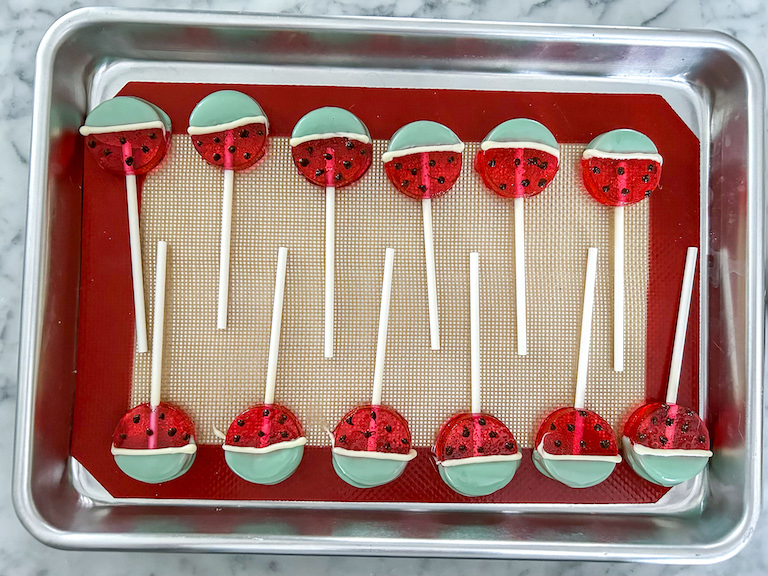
(106, 323)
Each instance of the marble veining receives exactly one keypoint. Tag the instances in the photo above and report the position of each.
(22, 24)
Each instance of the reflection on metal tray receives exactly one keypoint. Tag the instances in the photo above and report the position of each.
(712, 83)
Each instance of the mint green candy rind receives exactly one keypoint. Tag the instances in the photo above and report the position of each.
(665, 471)
(223, 107)
(329, 120)
(624, 141)
(574, 473)
(481, 478)
(154, 468)
(268, 469)
(123, 110)
(422, 133)
(362, 472)
(522, 130)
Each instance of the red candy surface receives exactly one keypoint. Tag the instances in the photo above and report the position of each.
(235, 149)
(424, 174)
(470, 435)
(572, 432)
(129, 152)
(373, 429)
(173, 428)
(333, 162)
(667, 427)
(263, 425)
(516, 172)
(620, 182)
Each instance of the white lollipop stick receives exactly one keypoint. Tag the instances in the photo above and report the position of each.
(226, 244)
(157, 339)
(330, 263)
(586, 329)
(137, 272)
(522, 333)
(277, 322)
(474, 329)
(618, 289)
(381, 343)
(429, 253)
(683, 310)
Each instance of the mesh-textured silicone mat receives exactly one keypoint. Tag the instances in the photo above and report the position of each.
(214, 374)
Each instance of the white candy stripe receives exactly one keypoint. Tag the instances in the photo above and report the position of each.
(490, 144)
(196, 130)
(387, 156)
(86, 130)
(480, 460)
(267, 449)
(326, 135)
(190, 448)
(645, 451)
(375, 455)
(594, 153)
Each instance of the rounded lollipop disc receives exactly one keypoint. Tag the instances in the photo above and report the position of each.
(621, 167)
(371, 446)
(518, 158)
(476, 454)
(331, 147)
(666, 444)
(576, 447)
(423, 159)
(154, 446)
(127, 135)
(264, 444)
(229, 130)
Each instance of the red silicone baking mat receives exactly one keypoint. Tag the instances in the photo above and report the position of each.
(106, 325)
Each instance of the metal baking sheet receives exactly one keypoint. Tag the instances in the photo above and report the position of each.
(712, 83)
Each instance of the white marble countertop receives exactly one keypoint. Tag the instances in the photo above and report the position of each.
(22, 25)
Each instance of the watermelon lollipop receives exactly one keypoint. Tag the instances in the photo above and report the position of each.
(372, 443)
(229, 130)
(265, 443)
(423, 161)
(475, 452)
(331, 147)
(129, 136)
(518, 159)
(619, 168)
(574, 445)
(667, 443)
(155, 442)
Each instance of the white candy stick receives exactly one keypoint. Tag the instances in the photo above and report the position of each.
(381, 343)
(618, 289)
(522, 335)
(586, 328)
(681, 328)
(277, 323)
(330, 263)
(137, 272)
(474, 329)
(226, 244)
(429, 253)
(158, 324)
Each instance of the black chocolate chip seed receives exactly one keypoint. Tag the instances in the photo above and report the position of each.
(162, 416)
(337, 176)
(241, 422)
(509, 446)
(570, 427)
(282, 419)
(480, 449)
(328, 156)
(595, 170)
(685, 426)
(303, 162)
(284, 434)
(387, 446)
(450, 159)
(145, 149)
(642, 436)
(343, 438)
(542, 182)
(462, 448)
(217, 157)
(247, 155)
(645, 178)
(557, 443)
(149, 432)
(236, 438)
(493, 434)
(701, 439)
(465, 432)
(414, 171)
(654, 420)
(502, 186)
(349, 420)
(405, 441)
(136, 419)
(199, 143)
(231, 149)
(260, 132)
(123, 436)
(216, 139)
(388, 428)
(650, 167)
(552, 427)
(398, 166)
(309, 149)
(481, 421)
(647, 193)
(517, 161)
(349, 144)
(171, 431)
(319, 171)
(448, 450)
(625, 191)
(663, 440)
(582, 444)
(244, 133)
(404, 183)
(431, 163)
(441, 179)
(525, 183)
(422, 187)
(152, 135)
(606, 188)
(261, 433)
(122, 140)
(605, 444)
(492, 163)
(265, 412)
(583, 413)
(367, 433)
(670, 421)
(373, 415)
(347, 164)
(185, 437)
(129, 161)
(598, 427)
(92, 143)
(620, 171)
